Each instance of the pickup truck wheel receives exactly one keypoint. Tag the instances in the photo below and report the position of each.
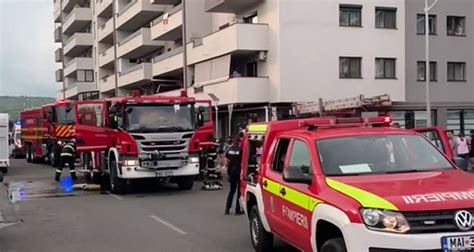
(117, 185)
(261, 239)
(186, 182)
(334, 245)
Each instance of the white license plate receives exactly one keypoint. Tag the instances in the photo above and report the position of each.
(457, 243)
(163, 174)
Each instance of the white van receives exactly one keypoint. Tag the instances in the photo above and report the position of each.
(4, 143)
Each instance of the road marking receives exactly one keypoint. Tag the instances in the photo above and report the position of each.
(168, 224)
(116, 196)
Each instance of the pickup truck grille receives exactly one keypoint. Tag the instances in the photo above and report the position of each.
(433, 221)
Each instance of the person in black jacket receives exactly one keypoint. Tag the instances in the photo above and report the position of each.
(234, 162)
(68, 156)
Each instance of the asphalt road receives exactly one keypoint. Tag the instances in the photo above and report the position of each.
(152, 218)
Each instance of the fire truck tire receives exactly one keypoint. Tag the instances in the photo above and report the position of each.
(186, 182)
(53, 158)
(117, 185)
(261, 239)
(28, 153)
(334, 245)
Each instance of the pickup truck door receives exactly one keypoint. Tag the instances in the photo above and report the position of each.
(439, 138)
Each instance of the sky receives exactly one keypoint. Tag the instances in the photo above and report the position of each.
(27, 65)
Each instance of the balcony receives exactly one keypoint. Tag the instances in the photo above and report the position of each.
(103, 8)
(238, 37)
(138, 13)
(107, 83)
(168, 63)
(58, 34)
(106, 59)
(166, 2)
(136, 75)
(57, 13)
(77, 20)
(68, 5)
(230, 6)
(77, 44)
(105, 32)
(238, 90)
(138, 44)
(78, 88)
(171, 30)
(79, 63)
(58, 55)
(59, 75)
(59, 95)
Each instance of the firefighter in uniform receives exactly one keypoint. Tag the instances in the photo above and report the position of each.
(68, 156)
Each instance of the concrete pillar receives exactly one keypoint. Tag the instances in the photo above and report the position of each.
(442, 117)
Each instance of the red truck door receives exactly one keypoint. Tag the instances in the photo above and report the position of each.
(90, 126)
(439, 138)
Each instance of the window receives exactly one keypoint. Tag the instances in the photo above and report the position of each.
(280, 154)
(386, 18)
(456, 26)
(90, 114)
(421, 75)
(420, 24)
(300, 157)
(456, 71)
(251, 19)
(85, 75)
(349, 67)
(350, 15)
(385, 68)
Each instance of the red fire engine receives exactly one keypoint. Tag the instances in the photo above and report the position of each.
(142, 137)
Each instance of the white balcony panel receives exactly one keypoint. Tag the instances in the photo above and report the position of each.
(59, 75)
(105, 32)
(80, 87)
(138, 44)
(230, 6)
(77, 20)
(106, 59)
(58, 55)
(57, 13)
(137, 14)
(168, 63)
(68, 5)
(79, 63)
(58, 34)
(59, 95)
(135, 76)
(77, 44)
(237, 37)
(170, 30)
(103, 8)
(107, 83)
(237, 90)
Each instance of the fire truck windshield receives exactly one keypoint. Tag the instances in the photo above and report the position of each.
(154, 118)
(376, 154)
(65, 114)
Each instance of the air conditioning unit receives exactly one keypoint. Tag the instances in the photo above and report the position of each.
(262, 56)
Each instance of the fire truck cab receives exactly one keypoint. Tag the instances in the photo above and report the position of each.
(138, 137)
(354, 184)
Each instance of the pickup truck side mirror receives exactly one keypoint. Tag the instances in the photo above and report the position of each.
(461, 163)
(296, 175)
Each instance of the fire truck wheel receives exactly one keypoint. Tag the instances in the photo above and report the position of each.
(186, 182)
(261, 239)
(117, 185)
(28, 153)
(334, 245)
(53, 160)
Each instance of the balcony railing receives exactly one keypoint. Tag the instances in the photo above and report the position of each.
(128, 6)
(131, 69)
(131, 36)
(171, 12)
(168, 54)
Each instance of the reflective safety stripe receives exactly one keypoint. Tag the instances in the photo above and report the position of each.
(69, 147)
(298, 198)
(258, 128)
(59, 171)
(66, 154)
(366, 199)
(72, 171)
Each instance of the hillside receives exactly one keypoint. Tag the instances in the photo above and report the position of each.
(13, 105)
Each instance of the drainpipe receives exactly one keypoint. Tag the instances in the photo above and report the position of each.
(114, 34)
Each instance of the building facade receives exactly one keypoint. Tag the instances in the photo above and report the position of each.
(255, 57)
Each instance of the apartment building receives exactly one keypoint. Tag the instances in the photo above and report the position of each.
(256, 57)
(74, 33)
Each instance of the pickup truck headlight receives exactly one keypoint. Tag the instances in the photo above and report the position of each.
(384, 220)
(193, 159)
(130, 162)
